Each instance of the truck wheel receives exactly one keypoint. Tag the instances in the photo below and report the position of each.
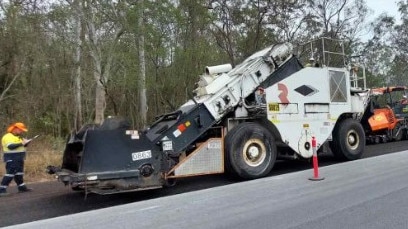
(397, 133)
(348, 140)
(250, 151)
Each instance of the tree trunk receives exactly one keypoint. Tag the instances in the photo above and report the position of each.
(100, 101)
(142, 80)
(77, 74)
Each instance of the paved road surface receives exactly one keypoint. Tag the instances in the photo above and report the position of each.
(368, 193)
(52, 199)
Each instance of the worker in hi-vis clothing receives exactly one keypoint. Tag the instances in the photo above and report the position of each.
(14, 153)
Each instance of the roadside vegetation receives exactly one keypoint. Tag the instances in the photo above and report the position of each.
(42, 152)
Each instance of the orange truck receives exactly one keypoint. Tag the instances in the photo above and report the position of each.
(386, 118)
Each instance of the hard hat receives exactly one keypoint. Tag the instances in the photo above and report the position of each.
(18, 125)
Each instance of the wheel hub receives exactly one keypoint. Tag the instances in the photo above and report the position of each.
(254, 152)
(352, 140)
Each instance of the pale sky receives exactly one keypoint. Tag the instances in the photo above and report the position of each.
(380, 6)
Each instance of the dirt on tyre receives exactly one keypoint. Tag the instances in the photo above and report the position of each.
(250, 151)
(348, 140)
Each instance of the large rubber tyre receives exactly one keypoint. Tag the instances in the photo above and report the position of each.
(397, 136)
(250, 151)
(348, 140)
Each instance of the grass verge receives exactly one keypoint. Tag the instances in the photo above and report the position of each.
(41, 152)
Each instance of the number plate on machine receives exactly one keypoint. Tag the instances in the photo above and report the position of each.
(274, 107)
(141, 155)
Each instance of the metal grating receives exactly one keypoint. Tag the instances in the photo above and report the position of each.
(207, 159)
(338, 87)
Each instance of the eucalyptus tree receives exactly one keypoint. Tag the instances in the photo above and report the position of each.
(104, 27)
(241, 27)
(154, 36)
(387, 49)
(339, 18)
(77, 57)
(134, 24)
(400, 42)
(142, 65)
(66, 32)
(8, 76)
(12, 62)
(379, 51)
(92, 31)
(401, 38)
(25, 72)
(194, 46)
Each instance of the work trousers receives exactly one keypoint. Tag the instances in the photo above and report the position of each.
(14, 170)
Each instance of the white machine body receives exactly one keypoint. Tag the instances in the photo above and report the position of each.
(308, 104)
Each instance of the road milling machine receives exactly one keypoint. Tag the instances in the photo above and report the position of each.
(228, 126)
(386, 117)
